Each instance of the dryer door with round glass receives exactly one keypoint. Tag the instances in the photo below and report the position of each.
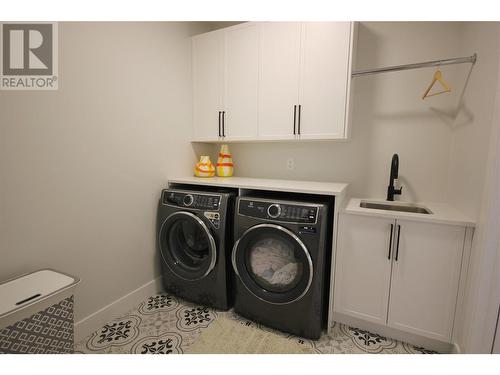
(273, 263)
(187, 246)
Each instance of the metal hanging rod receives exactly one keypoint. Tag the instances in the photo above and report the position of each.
(459, 60)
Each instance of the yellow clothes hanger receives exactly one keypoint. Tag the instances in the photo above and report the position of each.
(438, 77)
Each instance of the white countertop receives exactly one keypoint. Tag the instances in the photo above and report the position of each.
(441, 212)
(309, 187)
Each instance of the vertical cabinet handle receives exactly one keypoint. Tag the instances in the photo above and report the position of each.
(397, 243)
(223, 123)
(219, 123)
(300, 112)
(294, 117)
(390, 242)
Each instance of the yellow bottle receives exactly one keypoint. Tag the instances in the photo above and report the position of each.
(224, 162)
(204, 168)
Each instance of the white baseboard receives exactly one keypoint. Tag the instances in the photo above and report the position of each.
(123, 304)
(456, 349)
(396, 334)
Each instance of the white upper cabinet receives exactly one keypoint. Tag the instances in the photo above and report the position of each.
(272, 81)
(279, 79)
(363, 267)
(324, 83)
(241, 82)
(207, 84)
(425, 277)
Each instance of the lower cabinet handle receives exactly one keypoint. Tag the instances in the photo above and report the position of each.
(294, 117)
(390, 242)
(300, 112)
(223, 123)
(397, 244)
(219, 122)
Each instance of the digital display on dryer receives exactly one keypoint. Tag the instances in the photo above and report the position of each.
(295, 213)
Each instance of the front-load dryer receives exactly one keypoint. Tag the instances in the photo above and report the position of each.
(280, 262)
(194, 242)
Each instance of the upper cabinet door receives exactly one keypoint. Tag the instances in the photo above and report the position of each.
(363, 267)
(208, 80)
(425, 278)
(241, 81)
(325, 77)
(273, 80)
(279, 78)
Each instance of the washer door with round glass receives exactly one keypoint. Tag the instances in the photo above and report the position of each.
(187, 246)
(273, 263)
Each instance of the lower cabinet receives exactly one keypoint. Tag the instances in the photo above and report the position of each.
(400, 273)
(363, 267)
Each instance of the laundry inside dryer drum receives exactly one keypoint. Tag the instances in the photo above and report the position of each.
(274, 265)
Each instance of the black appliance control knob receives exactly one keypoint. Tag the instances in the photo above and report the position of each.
(274, 210)
(188, 200)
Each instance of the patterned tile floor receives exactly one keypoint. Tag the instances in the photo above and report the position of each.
(164, 324)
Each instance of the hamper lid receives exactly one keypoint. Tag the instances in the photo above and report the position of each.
(26, 290)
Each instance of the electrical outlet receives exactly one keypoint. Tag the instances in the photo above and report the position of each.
(290, 164)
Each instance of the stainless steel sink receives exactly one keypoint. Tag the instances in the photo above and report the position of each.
(396, 206)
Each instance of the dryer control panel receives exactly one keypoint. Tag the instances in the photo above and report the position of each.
(194, 200)
(285, 212)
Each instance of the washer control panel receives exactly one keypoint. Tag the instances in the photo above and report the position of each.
(286, 212)
(192, 200)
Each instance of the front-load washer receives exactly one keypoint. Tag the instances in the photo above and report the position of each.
(194, 241)
(279, 258)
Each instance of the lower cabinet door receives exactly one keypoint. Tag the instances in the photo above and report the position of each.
(363, 267)
(425, 278)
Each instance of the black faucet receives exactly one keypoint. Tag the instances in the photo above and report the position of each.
(391, 191)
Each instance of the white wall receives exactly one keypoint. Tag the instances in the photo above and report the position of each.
(477, 327)
(389, 117)
(474, 187)
(472, 128)
(81, 168)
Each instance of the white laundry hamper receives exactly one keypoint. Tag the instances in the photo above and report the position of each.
(36, 313)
